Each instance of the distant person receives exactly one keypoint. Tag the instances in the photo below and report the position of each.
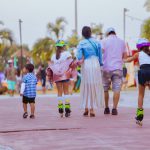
(125, 77)
(28, 91)
(78, 82)
(18, 80)
(91, 82)
(136, 67)
(42, 72)
(2, 77)
(73, 77)
(114, 50)
(10, 74)
(143, 56)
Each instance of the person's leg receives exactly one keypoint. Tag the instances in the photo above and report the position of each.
(25, 102)
(44, 89)
(106, 94)
(141, 96)
(67, 98)
(25, 107)
(106, 84)
(72, 82)
(116, 97)
(116, 87)
(43, 86)
(140, 110)
(60, 98)
(32, 106)
(25, 114)
(59, 89)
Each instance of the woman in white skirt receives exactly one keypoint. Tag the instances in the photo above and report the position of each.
(91, 83)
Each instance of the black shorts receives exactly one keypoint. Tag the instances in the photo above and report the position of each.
(63, 81)
(27, 100)
(144, 74)
(43, 82)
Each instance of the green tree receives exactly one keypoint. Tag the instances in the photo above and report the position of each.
(96, 29)
(5, 54)
(73, 40)
(145, 29)
(6, 36)
(57, 29)
(147, 5)
(42, 50)
(7, 46)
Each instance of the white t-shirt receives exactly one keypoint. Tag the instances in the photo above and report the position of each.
(63, 56)
(144, 58)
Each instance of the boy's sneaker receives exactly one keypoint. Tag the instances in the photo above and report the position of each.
(32, 116)
(107, 111)
(114, 111)
(25, 115)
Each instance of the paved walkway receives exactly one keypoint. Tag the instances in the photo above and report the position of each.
(50, 132)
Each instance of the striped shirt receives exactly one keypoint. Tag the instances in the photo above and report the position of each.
(30, 81)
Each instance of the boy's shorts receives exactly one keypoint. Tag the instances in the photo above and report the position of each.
(27, 100)
(114, 77)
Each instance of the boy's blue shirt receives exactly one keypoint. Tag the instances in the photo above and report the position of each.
(30, 81)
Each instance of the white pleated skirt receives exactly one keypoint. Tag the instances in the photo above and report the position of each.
(92, 93)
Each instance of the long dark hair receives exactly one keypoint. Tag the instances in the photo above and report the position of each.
(58, 52)
(86, 32)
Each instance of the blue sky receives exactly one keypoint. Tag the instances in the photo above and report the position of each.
(37, 13)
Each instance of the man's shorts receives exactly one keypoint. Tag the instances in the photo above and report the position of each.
(114, 78)
(27, 100)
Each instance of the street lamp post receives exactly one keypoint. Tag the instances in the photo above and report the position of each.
(20, 31)
(124, 23)
(76, 17)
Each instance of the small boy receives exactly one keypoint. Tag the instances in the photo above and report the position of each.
(28, 90)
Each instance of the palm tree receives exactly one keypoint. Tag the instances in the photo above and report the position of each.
(147, 5)
(42, 50)
(73, 40)
(145, 29)
(57, 29)
(96, 29)
(6, 35)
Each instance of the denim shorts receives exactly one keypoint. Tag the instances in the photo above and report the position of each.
(114, 78)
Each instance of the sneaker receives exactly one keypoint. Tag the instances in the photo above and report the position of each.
(107, 111)
(114, 111)
(25, 115)
(32, 116)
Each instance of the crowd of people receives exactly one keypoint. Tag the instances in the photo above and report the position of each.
(98, 65)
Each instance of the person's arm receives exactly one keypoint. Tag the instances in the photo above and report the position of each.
(129, 59)
(5, 73)
(100, 54)
(68, 55)
(22, 89)
(24, 81)
(79, 52)
(102, 43)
